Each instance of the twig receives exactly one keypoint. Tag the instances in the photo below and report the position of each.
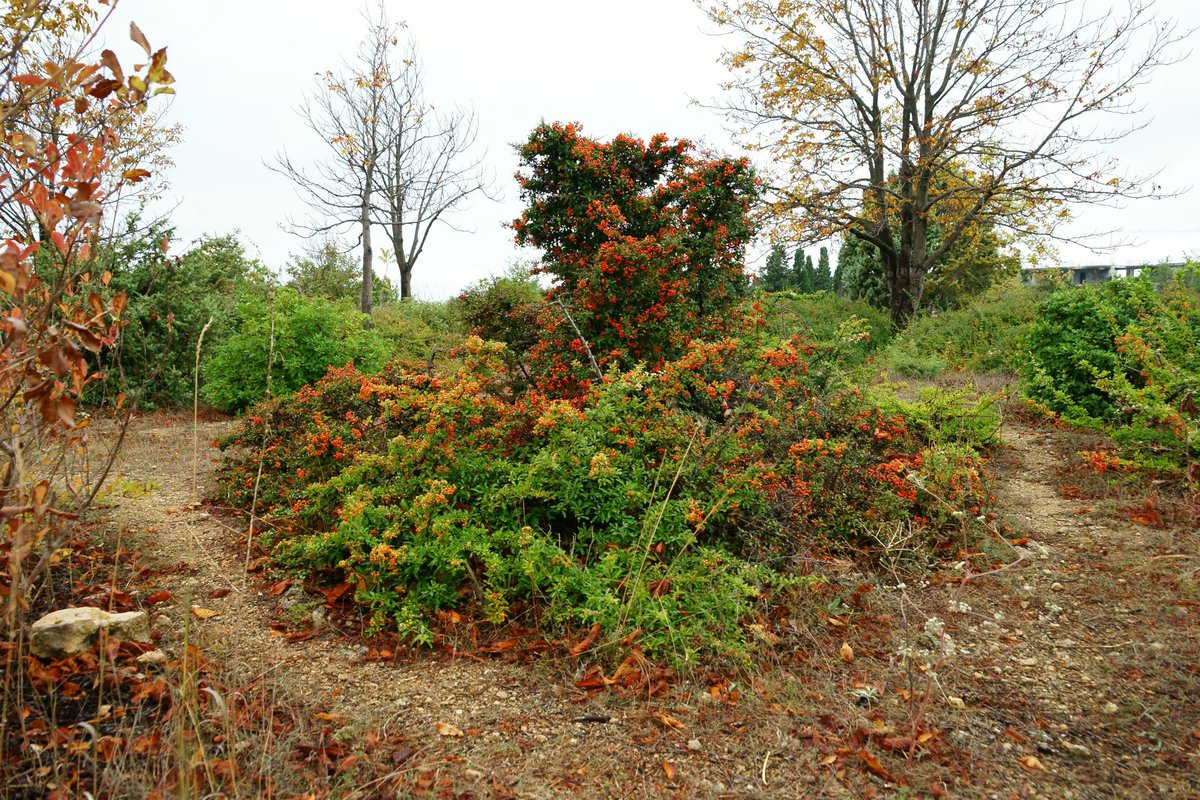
(587, 348)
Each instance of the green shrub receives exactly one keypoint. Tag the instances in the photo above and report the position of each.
(170, 302)
(822, 317)
(503, 309)
(988, 336)
(416, 329)
(653, 503)
(1123, 356)
(310, 335)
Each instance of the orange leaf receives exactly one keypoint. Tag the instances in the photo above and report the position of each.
(668, 721)
(204, 613)
(669, 770)
(577, 649)
(446, 729)
(847, 653)
(874, 766)
(1032, 763)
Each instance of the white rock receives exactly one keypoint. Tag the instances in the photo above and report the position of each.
(71, 631)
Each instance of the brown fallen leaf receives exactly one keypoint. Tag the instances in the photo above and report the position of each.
(577, 649)
(669, 722)
(872, 763)
(847, 653)
(217, 594)
(827, 760)
(1032, 763)
(446, 729)
(669, 770)
(204, 613)
(158, 597)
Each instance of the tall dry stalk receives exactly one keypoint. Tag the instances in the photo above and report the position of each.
(262, 447)
(196, 406)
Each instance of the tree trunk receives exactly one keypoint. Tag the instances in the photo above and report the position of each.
(402, 261)
(368, 272)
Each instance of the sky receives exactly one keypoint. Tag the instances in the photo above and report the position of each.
(621, 66)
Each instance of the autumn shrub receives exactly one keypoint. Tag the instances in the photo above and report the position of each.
(300, 336)
(60, 122)
(644, 243)
(1123, 356)
(652, 504)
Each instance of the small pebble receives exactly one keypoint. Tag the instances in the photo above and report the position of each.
(693, 744)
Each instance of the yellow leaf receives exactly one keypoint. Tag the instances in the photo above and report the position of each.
(446, 729)
(204, 613)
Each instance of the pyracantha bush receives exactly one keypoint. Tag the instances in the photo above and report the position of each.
(650, 503)
(644, 241)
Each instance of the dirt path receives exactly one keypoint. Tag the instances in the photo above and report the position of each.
(1084, 656)
(1081, 657)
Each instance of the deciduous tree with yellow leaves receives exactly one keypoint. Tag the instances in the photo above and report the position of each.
(888, 117)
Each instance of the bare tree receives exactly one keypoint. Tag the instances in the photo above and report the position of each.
(394, 160)
(887, 117)
(346, 111)
(426, 170)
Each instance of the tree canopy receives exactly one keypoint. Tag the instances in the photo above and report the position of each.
(886, 115)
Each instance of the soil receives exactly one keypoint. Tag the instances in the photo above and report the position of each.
(1067, 670)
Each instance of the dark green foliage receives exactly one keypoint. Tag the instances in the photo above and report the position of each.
(802, 279)
(504, 309)
(311, 334)
(170, 301)
(775, 275)
(824, 277)
(861, 273)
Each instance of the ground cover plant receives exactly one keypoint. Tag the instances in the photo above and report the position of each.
(650, 507)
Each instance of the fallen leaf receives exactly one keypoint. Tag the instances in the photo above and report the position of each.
(669, 770)
(955, 702)
(217, 594)
(204, 613)
(1016, 737)
(446, 729)
(577, 649)
(668, 721)
(827, 760)
(847, 653)
(874, 766)
(1032, 763)
(158, 597)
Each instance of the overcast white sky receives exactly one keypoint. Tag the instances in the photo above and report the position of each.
(242, 66)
